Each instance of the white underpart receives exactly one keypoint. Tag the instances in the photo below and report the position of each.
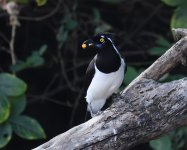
(102, 86)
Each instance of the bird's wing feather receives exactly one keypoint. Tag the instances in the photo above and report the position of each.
(90, 72)
(125, 70)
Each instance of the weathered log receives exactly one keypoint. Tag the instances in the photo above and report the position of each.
(145, 110)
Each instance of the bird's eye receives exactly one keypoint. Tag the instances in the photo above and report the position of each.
(102, 40)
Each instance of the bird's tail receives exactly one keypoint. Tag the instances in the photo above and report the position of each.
(86, 116)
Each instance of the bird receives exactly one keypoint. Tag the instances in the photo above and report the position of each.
(105, 72)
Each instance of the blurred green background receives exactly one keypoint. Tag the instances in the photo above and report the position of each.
(42, 65)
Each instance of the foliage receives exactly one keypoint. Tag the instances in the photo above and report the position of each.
(179, 18)
(27, 127)
(67, 24)
(23, 1)
(175, 140)
(163, 143)
(100, 25)
(41, 2)
(12, 104)
(5, 134)
(38, 2)
(161, 45)
(131, 74)
(33, 61)
(13, 99)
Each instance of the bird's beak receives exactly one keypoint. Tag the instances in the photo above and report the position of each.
(87, 44)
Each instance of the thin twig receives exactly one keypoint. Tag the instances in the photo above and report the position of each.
(48, 87)
(12, 41)
(144, 22)
(58, 102)
(75, 106)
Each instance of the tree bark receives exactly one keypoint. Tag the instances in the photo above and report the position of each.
(145, 110)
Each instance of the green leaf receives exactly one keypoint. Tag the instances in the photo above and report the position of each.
(157, 51)
(178, 137)
(41, 2)
(96, 16)
(5, 134)
(27, 128)
(161, 41)
(163, 143)
(20, 65)
(11, 85)
(131, 74)
(173, 2)
(179, 18)
(62, 36)
(170, 77)
(18, 104)
(42, 49)
(4, 108)
(71, 24)
(162, 45)
(33, 61)
(104, 27)
(68, 23)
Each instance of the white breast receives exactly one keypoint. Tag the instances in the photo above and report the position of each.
(102, 86)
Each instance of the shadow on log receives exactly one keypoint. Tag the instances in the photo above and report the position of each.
(145, 110)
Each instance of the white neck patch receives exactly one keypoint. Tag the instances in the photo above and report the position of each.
(113, 45)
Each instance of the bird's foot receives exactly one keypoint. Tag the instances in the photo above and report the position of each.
(93, 115)
(99, 112)
(96, 114)
(115, 96)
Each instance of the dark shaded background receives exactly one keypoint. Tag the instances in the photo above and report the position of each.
(55, 90)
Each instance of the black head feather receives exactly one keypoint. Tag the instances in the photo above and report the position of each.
(99, 41)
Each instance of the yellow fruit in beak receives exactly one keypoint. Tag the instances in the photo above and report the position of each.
(83, 46)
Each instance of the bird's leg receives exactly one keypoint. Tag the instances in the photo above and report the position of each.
(98, 113)
(115, 97)
(91, 111)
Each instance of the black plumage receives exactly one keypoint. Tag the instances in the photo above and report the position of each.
(89, 73)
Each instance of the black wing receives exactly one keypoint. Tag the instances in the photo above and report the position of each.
(125, 65)
(90, 73)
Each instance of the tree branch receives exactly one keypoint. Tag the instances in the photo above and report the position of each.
(145, 110)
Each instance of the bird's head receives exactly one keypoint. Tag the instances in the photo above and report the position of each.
(97, 42)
